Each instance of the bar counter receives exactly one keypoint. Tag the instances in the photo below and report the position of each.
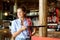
(5, 34)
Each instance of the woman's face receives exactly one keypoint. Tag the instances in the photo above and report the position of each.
(20, 13)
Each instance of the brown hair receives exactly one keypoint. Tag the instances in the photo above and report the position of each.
(23, 8)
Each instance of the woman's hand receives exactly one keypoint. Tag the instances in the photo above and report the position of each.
(23, 28)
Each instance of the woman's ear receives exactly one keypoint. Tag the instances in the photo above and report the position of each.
(24, 13)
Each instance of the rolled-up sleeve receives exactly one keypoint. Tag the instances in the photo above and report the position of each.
(13, 27)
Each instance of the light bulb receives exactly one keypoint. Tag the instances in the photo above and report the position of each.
(6, 14)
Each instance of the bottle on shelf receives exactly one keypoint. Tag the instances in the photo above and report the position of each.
(58, 27)
(54, 19)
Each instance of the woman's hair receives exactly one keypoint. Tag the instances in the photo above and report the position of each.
(23, 8)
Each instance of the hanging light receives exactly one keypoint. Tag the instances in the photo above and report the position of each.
(6, 14)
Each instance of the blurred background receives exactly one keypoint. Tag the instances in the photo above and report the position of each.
(8, 13)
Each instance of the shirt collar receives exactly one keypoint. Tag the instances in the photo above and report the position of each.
(20, 20)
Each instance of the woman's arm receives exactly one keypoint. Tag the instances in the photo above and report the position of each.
(16, 33)
(34, 30)
(30, 24)
(19, 31)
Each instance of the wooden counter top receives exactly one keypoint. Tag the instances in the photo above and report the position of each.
(5, 33)
(55, 34)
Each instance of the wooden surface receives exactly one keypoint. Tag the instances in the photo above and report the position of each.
(54, 34)
(5, 33)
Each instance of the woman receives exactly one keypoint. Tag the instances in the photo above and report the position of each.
(19, 27)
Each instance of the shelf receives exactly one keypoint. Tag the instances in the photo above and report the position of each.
(50, 29)
(50, 24)
(33, 16)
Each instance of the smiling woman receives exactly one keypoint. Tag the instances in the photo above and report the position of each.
(20, 27)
